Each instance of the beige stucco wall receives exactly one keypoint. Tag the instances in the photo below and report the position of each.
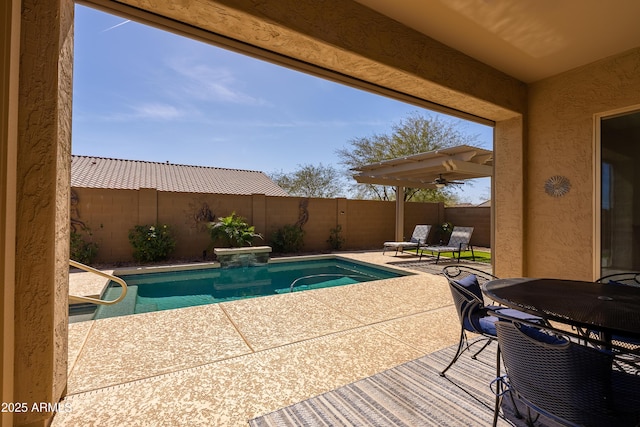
(508, 207)
(560, 231)
(42, 198)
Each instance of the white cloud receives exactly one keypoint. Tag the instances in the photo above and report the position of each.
(212, 84)
(149, 112)
(157, 112)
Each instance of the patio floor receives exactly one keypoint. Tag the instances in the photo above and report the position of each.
(227, 363)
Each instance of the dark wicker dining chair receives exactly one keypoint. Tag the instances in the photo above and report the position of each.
(465, 284)
(572, 384)
(631, 278)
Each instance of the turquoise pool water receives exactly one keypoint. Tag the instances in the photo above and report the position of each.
(169, 290)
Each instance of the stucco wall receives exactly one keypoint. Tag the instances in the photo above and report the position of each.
(42, 225)
(560, 231)
(508, 207)
(110, 214)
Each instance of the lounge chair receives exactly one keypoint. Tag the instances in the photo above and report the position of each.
(418, 239)
(459, 241)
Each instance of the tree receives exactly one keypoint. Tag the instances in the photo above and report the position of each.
(413, 135)
(311, 181)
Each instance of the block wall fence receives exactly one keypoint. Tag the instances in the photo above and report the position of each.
(110, 214)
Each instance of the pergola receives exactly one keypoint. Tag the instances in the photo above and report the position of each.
(421, 170)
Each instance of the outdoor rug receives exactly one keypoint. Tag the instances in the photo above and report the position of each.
(412, 394)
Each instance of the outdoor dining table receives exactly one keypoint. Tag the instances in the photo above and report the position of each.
(608, 308)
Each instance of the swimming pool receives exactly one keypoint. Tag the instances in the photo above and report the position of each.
(178, 289)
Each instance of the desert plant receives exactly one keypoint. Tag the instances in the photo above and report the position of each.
(81, 250)
(335, 238)
(288, 239)
(233, 231)
(151, 242)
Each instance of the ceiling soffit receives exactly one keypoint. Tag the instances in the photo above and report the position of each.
(528, 39)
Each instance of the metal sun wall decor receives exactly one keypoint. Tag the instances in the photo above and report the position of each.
(557, 186)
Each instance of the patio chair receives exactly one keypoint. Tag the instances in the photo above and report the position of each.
(418, 239)
(572, 384)
(459, 241)
(465, 285)
(631, 278)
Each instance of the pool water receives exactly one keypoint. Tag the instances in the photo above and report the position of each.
(177, 289)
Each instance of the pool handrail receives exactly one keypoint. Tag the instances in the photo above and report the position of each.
(121, 282)
(324, 275)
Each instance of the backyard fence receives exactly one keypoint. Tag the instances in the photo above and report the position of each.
(108, 215)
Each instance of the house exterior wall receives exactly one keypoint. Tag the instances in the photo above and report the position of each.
(560, 231)
(105, 217)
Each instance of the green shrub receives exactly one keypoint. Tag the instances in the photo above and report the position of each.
(335, 238)
(288, 239)
(233, 231)
(81, 250)
(151, 242)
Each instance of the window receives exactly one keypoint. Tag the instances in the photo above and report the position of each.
(620, 193)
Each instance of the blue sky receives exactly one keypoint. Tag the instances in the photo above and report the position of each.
(145, 94)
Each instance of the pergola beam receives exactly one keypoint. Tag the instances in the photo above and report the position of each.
(393, 182)
(469, 168)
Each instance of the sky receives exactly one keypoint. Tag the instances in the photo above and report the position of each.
(145, 94)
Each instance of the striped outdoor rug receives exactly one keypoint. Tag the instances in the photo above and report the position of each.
(412, 394)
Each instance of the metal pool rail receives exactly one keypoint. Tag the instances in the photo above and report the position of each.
(77, 298)
(353, 276)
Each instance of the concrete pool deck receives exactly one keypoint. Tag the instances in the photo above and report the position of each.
(224, 364)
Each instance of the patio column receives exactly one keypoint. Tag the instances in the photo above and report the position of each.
(399, 214)
(508, 205)
(43, 163)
